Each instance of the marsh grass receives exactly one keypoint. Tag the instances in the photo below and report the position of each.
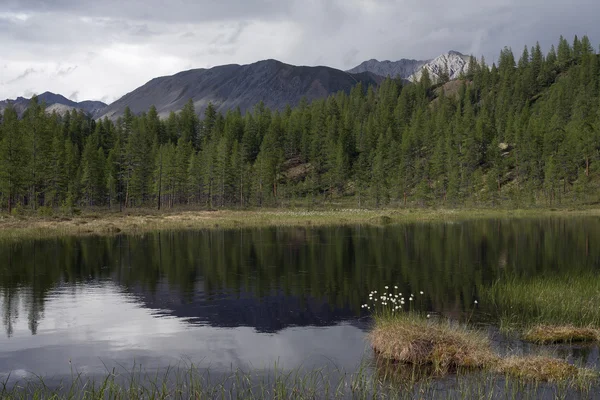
(545, 369)
(32, 225)
(548, 334)
(413, 340)
(567, 300)
(411, 346)
(190, 382)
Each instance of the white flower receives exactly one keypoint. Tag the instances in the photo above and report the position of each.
(402, 302)
(411, 299)
(386, 288)
(396, 296)
(421, 292)
(428, 315)
(476, 302)
(395, 287)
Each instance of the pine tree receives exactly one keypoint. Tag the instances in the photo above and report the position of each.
(14, 158)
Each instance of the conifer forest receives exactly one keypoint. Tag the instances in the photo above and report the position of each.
(524, 131)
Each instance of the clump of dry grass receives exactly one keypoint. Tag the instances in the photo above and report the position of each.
(541, 368)
(420, 342)
(547, 334)
(417, 347)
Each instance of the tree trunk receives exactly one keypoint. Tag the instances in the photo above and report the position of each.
(242, 189)
(159, 181)
(587, 166)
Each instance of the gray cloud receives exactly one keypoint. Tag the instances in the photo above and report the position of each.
(65, 71)
(74, 96)
(157, 10)
(119, 45)
(24, 75)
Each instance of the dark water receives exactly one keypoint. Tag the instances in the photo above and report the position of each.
(245, 299)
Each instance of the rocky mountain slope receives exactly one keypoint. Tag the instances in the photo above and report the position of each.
(54, 102)
(411, 70)
(230, 86)
(403, 68)
(453, 61)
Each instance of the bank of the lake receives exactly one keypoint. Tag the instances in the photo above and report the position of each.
(32, 225)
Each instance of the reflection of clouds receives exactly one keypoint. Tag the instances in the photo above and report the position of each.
(94, 324)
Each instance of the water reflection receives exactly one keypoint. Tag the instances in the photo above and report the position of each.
(100, 326)
(244, 297)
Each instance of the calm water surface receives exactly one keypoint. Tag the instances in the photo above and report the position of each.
(255, 298)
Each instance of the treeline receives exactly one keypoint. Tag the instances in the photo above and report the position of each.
(525, 131)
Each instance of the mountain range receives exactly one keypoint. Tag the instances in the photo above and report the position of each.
(233, 86)
(54, 102)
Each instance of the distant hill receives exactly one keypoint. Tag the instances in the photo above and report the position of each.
(54, 102)
(454, 61)
(231, 86)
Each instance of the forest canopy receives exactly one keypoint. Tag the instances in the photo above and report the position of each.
(523, 132)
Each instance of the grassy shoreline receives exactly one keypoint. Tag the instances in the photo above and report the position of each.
(369, 381)
(139, 221)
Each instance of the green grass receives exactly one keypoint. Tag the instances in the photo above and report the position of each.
(30, 225)
(188, 382)
(564, 300)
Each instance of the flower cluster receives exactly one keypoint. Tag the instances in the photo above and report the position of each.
(388, 302)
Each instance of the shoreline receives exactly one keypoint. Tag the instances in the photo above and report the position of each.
(139, 221)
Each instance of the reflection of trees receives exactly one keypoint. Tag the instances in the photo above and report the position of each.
(336, 265)
(10, 309)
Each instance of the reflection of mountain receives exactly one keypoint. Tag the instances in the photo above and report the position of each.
(269, 314)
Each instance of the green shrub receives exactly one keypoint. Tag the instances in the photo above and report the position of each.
(45, 211)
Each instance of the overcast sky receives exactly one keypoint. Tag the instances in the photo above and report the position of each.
(102, 49)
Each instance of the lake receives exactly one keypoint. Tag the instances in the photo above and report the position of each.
(258, 298)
